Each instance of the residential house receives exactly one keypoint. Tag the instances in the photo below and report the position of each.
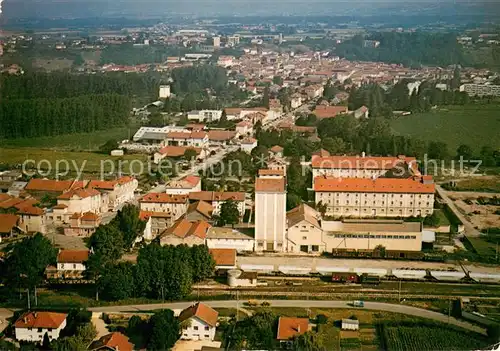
(198, 322)
(175, 205)
(248, 144)
(9, 224)
(204, 115)
(304, 233)
(361, 112)
(224, 258)
(115, 341)
(276, 151)
(185, 232)
(32, 219)
(184, 186)
(244, 128)
(118, 191)
(290, 327)
(156, 223)
(198, 139)
(83, 200)
(382, 197)
(32, 326)
(271, 173)
(314, 91)
(199, 210)
(217, 198)
(82, 224)
(230, 238)
(70, 265)
(295, 101)
(322, 111)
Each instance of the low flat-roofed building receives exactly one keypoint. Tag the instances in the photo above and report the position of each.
(224, 258)
(229, 238)
(367, 234)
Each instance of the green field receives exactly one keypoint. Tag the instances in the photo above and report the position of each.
(48, 159)
(73, 142)
(474, 125)
(429, 336)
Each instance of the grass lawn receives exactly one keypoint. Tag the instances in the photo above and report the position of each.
(73, 142)
(481, 246)
(474, 125)
(443, 220)
(487, 185)
(91, 162)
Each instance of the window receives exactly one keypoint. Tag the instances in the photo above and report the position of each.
(195, 327)
(304, 238)
(207, 328)
(315, 248)
(39, 330)
(74, 266)
(207, 336)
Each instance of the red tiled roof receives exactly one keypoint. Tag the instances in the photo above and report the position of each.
(52, 185)
(276, 148)
(109, 184)
(40, 320)
(365, 185)
(249, 140)
(187, 135)
(177, 151)
(183, 228)
(268, 185)
(359, 162)
(31, 210)
(164, 198)
(321, 153)
(115, 341)
(221, 135)
(201, 207)
(81, 193)
(203, 312)
(224, 257)
(272, 172)
(322, 111)
(8, 222)
(210, 196)
(73, 256)
(192, 179)
(288, 327)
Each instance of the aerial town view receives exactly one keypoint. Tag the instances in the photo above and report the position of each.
(260, 175)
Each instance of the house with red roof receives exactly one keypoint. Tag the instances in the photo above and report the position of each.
(199, 322)
(115, 341)
(217, 198)
(290, 327)
(8, 224)
(82, 224)
(175, 205)
(70, 265)
(156, 223)
(184, 186)
(32, 326)
(185, 232)
(84, 200)
(118, 191)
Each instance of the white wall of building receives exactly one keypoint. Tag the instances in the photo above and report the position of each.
(198, 330)
(36, 334)
(270, 221)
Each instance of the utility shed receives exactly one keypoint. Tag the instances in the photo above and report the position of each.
(350, 324)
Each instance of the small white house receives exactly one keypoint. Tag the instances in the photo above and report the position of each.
(198, 322)
(32, 326)
(248, 144)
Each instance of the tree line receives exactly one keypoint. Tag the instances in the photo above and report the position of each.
(25, 118)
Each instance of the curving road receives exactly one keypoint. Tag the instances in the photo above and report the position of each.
(378, 306)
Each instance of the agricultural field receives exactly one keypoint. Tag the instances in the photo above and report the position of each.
(474, 125)
(428, 336)
(73, 142)
(91, 163)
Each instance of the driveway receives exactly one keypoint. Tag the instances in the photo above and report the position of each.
(378, 306)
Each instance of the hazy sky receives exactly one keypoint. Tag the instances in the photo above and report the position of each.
(139, 8)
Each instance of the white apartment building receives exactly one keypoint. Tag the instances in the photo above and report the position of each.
(198, 322)
(381, 197)
(270, 214)
(164, 91)
(361, 166)
(204, 115)
(32, 326)
(175, 205)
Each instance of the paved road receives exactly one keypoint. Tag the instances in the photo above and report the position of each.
(378, 306)
(469, 227)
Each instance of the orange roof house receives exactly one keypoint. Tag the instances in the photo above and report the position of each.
(115, 341)
(40, 319)
(7, 223)
(289, 327)
(164, 198)
(323, 112)
(203, 312)
(224, 257)
(73, 256)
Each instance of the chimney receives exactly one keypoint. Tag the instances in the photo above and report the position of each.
(298, 328)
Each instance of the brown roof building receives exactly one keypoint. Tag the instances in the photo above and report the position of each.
(289, 327)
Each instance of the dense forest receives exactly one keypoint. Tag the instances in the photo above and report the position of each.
(409, 49)
(199, 78)
(127, 54)
(25, 118)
